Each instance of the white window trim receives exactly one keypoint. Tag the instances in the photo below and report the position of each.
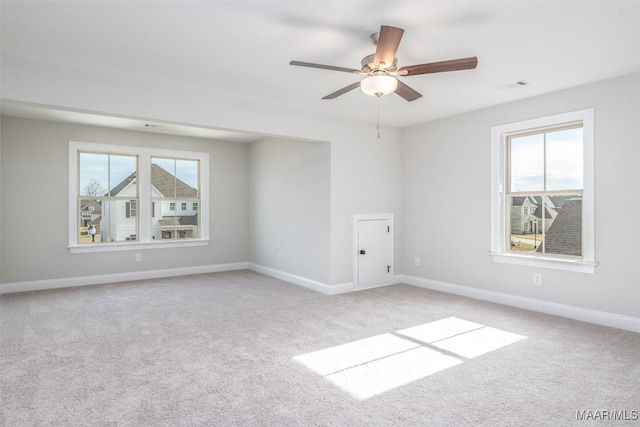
(498, 164)
(144, 206)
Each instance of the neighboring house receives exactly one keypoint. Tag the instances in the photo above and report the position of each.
(527, 213)
(90, 214)
(172, 215)
(565, 234)
(522, 210)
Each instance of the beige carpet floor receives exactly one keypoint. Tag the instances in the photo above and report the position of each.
(242, 349)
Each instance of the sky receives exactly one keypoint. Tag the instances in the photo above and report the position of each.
(564, 165)
(110, 170)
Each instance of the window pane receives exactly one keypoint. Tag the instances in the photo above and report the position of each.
(564, 235)
(526, 225)
(94, 174)
(107, 221)
(122, 176)
(172, 224)
(527, 163)
(546, 224)
(564, 160)
(174, 178)
(90, 217)
(107, 174)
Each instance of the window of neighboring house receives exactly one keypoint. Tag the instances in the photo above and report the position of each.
(131, 209)
(549, 161)
(195, 206)
(111, 185)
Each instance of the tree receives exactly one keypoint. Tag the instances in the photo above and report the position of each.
(94, 188)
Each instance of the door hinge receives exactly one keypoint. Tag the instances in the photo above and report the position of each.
(388, 269)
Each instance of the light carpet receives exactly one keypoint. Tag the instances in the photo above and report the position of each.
(243, 349)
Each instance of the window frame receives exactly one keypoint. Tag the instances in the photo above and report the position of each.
(144, 207)
(499, 217)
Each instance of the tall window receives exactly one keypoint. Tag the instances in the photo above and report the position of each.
(542, 200)
(545, 171)
(175, 182)
(123, 197)
(107, 199)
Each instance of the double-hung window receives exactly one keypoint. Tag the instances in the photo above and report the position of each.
(542, 192)
(123, 197)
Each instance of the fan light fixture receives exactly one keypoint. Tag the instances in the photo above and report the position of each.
(379, 85)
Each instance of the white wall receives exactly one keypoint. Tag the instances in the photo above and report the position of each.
(290, 206)
(446, 193)
(35, 193)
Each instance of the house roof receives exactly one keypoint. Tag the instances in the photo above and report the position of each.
(122, 185)
(558, 201)
(167, 184)
(547, 212)
(564, 237)
(174, 221)
(520, 200)
(170, 185)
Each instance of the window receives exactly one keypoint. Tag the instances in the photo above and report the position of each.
(542, 197)
(123, 197)
(175, 180)
(131, 209)
(195, 206)
(106, 190)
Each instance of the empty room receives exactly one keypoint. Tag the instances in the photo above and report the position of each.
(306, 213)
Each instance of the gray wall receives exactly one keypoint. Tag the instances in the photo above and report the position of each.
(290, 206)
(446, 194)
(34, 203)
(365, 171)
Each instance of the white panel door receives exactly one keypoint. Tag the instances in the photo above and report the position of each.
(374, 252)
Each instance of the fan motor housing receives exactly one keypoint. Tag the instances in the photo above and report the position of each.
(368, 65)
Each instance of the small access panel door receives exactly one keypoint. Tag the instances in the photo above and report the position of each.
(374, 252)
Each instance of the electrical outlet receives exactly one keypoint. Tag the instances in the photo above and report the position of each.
(138, 257)
(416, 262)
(537, 279)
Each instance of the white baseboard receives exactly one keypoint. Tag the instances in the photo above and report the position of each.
(583, 314)
(37, 285)
(302, 281)
(586, 315)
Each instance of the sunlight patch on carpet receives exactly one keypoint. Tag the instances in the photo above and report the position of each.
(374, 365)
(378, 376)
(345, 356)
(478, 342)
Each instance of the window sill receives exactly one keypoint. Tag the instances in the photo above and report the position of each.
(136, 246)
(544, 262)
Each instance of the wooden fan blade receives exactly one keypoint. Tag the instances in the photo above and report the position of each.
(325, 67)
(342, 91)
(439, 67)
(406, 92)
(388, 42)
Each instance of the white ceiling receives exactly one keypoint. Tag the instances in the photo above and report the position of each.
(243, 48)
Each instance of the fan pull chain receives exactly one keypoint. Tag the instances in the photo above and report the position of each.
(378, 123)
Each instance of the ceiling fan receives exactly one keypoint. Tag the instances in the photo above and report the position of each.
(381, 68)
